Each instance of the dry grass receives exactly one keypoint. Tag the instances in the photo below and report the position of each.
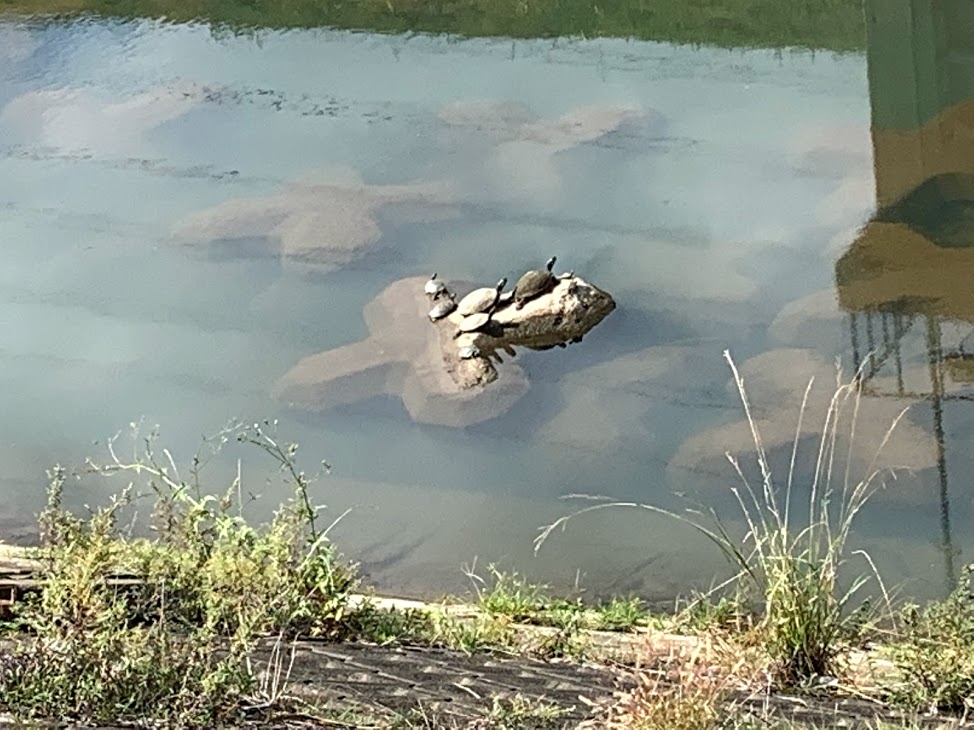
(693, 687)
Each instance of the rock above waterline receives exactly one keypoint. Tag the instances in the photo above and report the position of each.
(408, 356)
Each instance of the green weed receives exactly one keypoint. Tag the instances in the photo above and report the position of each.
(935, 652)
(622, 614)
(509, 594)
(135, 629)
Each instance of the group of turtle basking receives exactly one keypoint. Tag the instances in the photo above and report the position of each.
(478, 306)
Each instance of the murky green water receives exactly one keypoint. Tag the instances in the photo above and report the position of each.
(146, 169)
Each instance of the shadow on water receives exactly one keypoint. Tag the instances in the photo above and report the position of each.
(905, 281)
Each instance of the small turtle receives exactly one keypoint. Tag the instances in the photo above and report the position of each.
(443, 307)
(534, 283)
(481, 300)
(434, 287)
(472, 323)
(469, 352)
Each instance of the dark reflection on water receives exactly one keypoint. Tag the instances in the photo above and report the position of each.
(186, 217)
(906, 280)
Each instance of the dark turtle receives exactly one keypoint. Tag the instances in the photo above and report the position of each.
(472, 323)
(434, 287)
(469, 352)
(534, 283)
(443, 307)
(481, 300)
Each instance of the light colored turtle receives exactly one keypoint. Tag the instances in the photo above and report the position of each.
(481, 300)
(469, 352)
(443, 307)
(434, 287)
(472, 323)
(534, 283)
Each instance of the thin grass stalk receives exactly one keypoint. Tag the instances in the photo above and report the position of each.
(794, 453)
(762, 456)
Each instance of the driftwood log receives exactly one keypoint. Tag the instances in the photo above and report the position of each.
(408, 356)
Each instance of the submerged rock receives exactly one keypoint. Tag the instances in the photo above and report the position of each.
(439, 372)
(314, 225)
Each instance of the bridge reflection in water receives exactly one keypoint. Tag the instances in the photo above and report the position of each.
(907, 281)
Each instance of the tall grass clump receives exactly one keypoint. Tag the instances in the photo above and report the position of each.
(791, 565)
(159, 629)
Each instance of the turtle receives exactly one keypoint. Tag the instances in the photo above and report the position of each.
(443, 307)
(469, 352)
(472, 323)
(481, 300)
(534, 283)
(434, 287)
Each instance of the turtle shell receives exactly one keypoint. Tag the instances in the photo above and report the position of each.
(434, 287)
(474, 321)
(533, 283)
(469, 352)
(479, 300)
(442, 309)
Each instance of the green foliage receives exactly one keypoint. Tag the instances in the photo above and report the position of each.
(136, 629)
(385, 626)
(621, 614)
(514, 597)
(935, 651)
(836, 25)
(427, 627)
(510, 595)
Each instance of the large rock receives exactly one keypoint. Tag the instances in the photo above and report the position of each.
(562, 316)
(408, 356)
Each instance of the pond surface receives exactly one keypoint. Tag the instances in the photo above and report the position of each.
(145, 170)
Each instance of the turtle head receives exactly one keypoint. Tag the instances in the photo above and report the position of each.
(501, 284)
(551, 263)
(433, 277)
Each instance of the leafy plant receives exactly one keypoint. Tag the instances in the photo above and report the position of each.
(509, 594)
(137, 629)
(621, 614)
(935, 651)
